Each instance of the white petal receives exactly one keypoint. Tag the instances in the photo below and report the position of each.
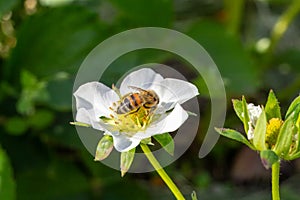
(171, 122)
(97, 96)
(123, 143)
(172, 91)
(143, 78)
(88, 117)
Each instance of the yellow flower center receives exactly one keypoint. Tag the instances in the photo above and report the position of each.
(273, 128)
(131, 123)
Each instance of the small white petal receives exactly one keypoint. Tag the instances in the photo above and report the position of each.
(123, 143)
(97, 96)
(168, 123)
(143, 78)
(254, 112)
(250, 132)
(172, 91)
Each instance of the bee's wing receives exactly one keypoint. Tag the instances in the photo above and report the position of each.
(137, 88)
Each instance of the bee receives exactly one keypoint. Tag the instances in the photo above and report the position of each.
(132, 102)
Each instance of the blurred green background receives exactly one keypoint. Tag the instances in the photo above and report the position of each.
(42, 44)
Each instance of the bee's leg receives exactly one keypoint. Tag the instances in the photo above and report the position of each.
(132, 112)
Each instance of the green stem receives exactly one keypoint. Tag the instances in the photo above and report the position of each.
(283, 23)
(161, 172)
(275, 181)
(234, 11)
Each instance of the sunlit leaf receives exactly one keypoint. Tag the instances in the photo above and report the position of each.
(166, 141)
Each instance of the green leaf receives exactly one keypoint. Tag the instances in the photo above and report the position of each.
(259, 139)
(126, 161)
(268, 158)
(295, 103)
(7, 183)
(246, 117)
(272, 107)
(235, 135)
(285, 137)
(166, 141)
(104, 148)
(16, 126)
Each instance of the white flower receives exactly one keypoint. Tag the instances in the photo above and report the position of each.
(96, 105)
(254, 113)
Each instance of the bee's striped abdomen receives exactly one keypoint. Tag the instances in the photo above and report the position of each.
(129, 103)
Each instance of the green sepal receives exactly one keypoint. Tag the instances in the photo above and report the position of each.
(104, 148)
(191, 113)
(235, 135)
(238, 108)
(126, 161)
(295, 103)
(272, 107)
(241, 110)
(166, 141)
(194, 196)
(80, 124)
(293, 157)
(259, 139)
(147, 141)
(246, 118)
(268, 158)
(285, 137)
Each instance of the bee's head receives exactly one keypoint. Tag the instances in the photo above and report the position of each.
(151, 99)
